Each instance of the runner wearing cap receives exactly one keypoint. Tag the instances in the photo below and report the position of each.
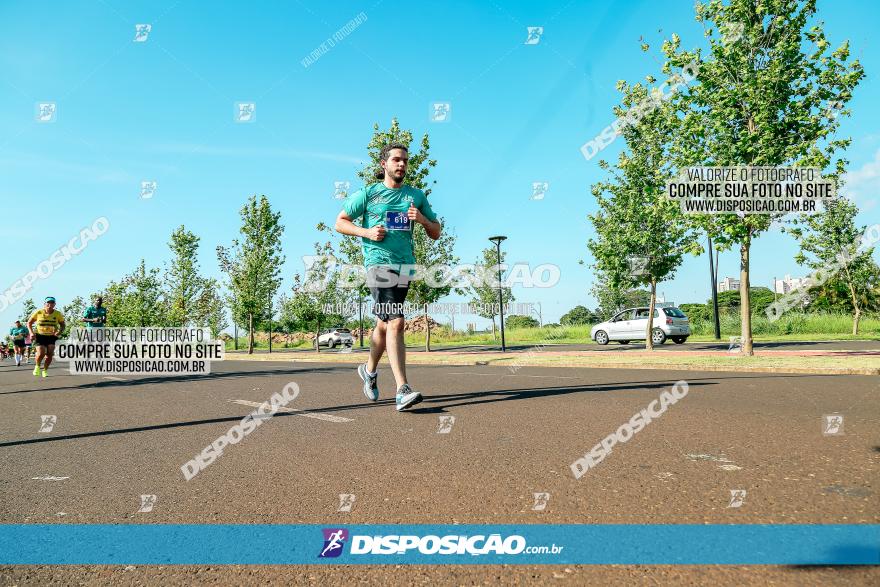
(49, 326)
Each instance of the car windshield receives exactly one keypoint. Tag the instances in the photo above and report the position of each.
(343, 330)
(674, 312)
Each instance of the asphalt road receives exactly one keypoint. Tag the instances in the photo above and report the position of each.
(513, 435)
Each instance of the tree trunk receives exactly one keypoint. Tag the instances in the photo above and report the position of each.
(745, 297)
(427, 330)
(250, 333)
(857, 312)
(317, 334)
(494, 336)
(649, 344)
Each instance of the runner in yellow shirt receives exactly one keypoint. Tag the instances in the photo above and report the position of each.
(49, 326)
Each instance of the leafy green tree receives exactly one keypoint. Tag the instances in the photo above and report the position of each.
(696, 312)
(835, 294)
(771, 95)
(731, 301)
(136, 300)
(28, 307)
(614, 295)
(483, 287)
(519, 321)
(578, 315)
(73, 315)
(641, 235)
(209, 310)
(317, 298)
(253, 264)
(830, 239)
(183, 284)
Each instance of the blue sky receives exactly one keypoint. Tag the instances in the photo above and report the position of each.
(162, 110)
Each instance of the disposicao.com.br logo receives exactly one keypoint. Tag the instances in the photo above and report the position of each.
(335, 538)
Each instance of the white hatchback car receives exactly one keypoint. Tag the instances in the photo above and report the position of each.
(631, 324)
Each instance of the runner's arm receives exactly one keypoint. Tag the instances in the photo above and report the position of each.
(345, 225)
(433, 229)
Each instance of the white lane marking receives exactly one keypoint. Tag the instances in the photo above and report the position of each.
(727, 466)
(115, 378)
(706, 457)
(49, 478)
(514, 375)
(315, 415)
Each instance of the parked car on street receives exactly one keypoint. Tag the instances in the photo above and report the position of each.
(333, 337)
(632, 323)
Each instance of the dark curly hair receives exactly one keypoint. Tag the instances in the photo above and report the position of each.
(383, 156)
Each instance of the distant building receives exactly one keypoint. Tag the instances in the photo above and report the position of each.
(787, 284)
(729, 284)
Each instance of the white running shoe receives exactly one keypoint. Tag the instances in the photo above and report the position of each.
(371, 387)
(407, 397)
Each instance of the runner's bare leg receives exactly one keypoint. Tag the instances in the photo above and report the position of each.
(41, 351)
(50, 352)
(377, 346)
(396, 349)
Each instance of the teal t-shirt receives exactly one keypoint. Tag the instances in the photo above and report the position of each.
(93, 312)
(373, 204)
(18, 332)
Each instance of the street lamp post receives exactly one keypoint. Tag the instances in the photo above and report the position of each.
(497, 240)
(714, 277)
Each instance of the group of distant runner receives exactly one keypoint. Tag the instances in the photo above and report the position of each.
(42, 329)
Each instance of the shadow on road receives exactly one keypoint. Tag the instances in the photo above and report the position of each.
(189, 378)
(440, 403)
(447, 401)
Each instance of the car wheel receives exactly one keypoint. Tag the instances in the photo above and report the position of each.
(623, 341)
(332, 344)
(679, 339)
(602, 337)
(658, 336)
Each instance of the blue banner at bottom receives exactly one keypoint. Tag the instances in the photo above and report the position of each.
(185, 544)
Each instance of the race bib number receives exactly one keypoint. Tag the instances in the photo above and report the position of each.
(397, 221)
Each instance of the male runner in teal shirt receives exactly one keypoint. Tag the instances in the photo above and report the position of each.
(18, 334)
(96, 316)
(388, 211)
